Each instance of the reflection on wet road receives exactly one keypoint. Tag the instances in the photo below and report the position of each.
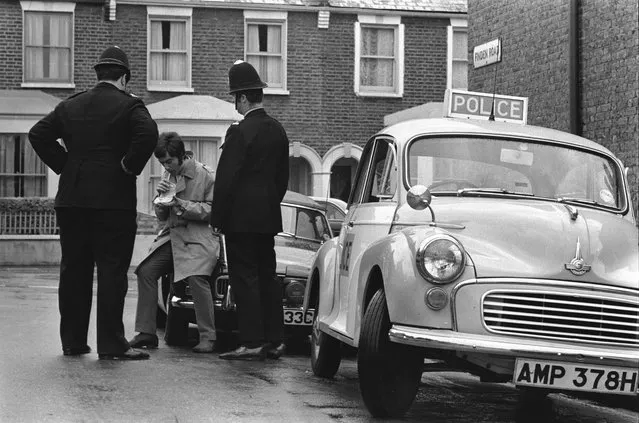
(38, 384)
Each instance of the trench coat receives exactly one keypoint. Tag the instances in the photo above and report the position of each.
(186, 225)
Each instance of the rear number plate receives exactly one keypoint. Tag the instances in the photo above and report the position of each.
(576, 377)
(296, 316)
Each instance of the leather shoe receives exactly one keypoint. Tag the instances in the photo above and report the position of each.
(204, 347)
(129, 354)
(275, 351)
(85, 349)
(144, 340)
(244, 353)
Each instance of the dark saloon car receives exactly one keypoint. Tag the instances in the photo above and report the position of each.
(305, 229)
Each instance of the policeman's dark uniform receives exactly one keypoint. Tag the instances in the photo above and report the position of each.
(250, 183)
(109, 136)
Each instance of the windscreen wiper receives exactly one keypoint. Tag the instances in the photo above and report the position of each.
(583, 201)
(480, 191)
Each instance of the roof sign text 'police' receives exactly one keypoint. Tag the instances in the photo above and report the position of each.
(473, 105)
(487, 53)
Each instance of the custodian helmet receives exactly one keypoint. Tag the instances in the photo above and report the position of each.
(114, 56)
(243, 76)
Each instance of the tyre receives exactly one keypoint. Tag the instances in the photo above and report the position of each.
(389, 373)
(326, 352)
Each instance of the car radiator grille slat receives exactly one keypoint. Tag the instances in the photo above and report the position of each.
(561, 316)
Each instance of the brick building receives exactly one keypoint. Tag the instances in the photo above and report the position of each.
(335, 68)
(577, 61)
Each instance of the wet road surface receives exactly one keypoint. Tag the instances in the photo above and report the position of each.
(38, 384)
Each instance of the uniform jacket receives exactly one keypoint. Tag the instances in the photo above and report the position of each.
(252, 176)
(102, 129)
(186, 226)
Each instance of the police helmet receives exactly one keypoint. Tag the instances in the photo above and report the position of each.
(243, 76)
(114, 55)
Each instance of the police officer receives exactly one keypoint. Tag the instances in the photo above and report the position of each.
(251, 180)
(107, 138)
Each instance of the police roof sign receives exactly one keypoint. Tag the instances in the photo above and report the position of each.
(473, 105)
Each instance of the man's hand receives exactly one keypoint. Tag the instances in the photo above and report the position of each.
(164, 186)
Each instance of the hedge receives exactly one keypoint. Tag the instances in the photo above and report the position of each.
(15, 204)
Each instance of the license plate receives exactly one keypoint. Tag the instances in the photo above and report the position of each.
(576, 377)
(296, 316)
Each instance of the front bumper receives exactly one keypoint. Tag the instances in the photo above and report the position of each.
(508, 346)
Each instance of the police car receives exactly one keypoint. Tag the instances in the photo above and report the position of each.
(504, 249)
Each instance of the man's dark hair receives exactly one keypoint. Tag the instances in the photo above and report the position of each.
(253, 96)
(110, 72)
(170, 143)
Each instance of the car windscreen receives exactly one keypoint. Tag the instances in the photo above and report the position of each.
(454, 165)
(305, 223)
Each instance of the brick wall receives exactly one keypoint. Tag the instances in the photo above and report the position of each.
(11, 37)
(535, 54)
(609, 58)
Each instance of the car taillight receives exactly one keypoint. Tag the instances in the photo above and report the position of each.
(294, 292)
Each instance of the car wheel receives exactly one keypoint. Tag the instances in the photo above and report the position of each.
(177, 326)
(325, 350)
(389, 373)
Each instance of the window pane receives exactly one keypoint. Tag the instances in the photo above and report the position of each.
(264, 38)
(378, 42)
(460, 75)
(168, 66)
(460, 45)
(22, 173)
(377, 72)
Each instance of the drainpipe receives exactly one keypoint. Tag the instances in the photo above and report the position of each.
(573, 70)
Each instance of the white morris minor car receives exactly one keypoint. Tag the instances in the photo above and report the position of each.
(510, 251)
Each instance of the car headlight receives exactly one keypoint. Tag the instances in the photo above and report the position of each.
(440, 259)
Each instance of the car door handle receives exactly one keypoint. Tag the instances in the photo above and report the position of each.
(350, 224)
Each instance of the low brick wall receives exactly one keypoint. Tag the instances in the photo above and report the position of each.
(41, 250)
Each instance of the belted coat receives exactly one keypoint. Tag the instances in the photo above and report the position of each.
(186, 225)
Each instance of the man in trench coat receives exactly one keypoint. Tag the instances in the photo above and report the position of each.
(184, 246)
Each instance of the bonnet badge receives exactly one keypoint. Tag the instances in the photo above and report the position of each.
(577, 266)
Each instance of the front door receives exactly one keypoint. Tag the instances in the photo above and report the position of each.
(371, 211)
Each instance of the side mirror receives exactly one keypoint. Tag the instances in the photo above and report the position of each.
(418, 197)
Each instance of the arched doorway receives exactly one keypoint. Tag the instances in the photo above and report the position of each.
(300, 176)
(342, 174)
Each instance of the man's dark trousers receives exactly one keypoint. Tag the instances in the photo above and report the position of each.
(258, 293)
(106, 238)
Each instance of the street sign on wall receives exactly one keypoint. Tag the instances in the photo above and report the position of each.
(487, 53)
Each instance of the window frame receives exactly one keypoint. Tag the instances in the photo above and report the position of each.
(456, 25)
(254, 17)
(170, 14)
(20, 176)
(382, 22)
(54, 7)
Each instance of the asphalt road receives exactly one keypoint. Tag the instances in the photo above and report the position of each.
(38, 384)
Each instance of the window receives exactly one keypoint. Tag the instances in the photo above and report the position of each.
(22, 173)
(458, 55)
(379, 56)
(48, 44)
(265, 47)
(169, 49)
(376, 178)
(203, 150)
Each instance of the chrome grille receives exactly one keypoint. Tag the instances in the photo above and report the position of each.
(561, 316)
